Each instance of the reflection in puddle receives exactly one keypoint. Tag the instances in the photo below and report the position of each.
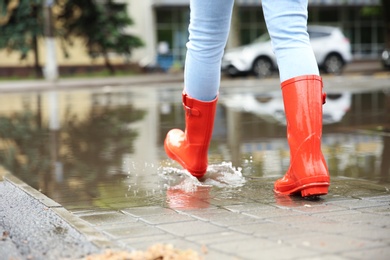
(269, 106)
(104, 147)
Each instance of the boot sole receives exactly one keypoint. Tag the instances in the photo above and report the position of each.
(314, 191)
(308, 190)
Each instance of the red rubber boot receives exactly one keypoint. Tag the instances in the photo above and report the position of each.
(308, 173)
(190, 148)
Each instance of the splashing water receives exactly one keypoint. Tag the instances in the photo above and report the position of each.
(222, 175)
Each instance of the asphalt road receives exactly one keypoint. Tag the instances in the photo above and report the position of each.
(29, 230)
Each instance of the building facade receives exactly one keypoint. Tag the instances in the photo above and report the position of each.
(166, 21)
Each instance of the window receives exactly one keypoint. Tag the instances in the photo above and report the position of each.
(252, 24)
(172, 28)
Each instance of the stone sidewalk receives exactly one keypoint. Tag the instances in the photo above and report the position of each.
(352, 222)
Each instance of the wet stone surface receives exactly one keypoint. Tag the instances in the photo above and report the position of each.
(99, 153)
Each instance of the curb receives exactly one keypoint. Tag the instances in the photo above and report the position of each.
(79, 225)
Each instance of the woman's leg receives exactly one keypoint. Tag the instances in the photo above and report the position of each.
(287, 25)
(209, 29)
(302, 96)
(208, 34)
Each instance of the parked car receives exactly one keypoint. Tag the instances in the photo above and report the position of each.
(385, 58)
(331, 48)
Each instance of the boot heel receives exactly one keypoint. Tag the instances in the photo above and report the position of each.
(314, 191)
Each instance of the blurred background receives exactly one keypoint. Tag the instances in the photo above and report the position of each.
(68, 37)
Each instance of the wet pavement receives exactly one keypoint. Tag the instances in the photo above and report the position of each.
(98, 154)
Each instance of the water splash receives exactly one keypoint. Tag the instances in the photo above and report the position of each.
(222, 175)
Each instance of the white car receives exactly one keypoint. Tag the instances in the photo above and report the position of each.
(385, 58)
(331, 48)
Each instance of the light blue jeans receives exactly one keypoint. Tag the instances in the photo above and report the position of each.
(209, 30)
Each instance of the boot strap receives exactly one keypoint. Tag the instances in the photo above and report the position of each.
(191, 111)
(187, 104)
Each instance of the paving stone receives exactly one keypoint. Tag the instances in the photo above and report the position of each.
(279, 252)
(85, 212)
(314, 224)
(220, 237)
(265, 229)
(248, 207)
(327, 227)
(222, 202)
(359, 203)
(357, 217)
(190, 211)
(203, 211)
(313, 209)
(380, 253)
(190, 228)
(176, 242)
(166, 218)
(144, 242)
(268, 213)
(242, 247)
(108, 218)
(147, 211)
(295, 219)
(222, 217)
(382, 210)
(383, 198)
(323, 256)
(330, 243)
(136, 229)
(322, 215)
(370, 233)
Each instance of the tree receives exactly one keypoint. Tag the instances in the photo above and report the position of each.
(101, 25)
(20, 27)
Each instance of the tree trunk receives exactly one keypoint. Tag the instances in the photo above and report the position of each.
(37, 68)
(108, 64)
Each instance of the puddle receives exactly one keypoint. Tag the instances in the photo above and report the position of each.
(103, 148)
